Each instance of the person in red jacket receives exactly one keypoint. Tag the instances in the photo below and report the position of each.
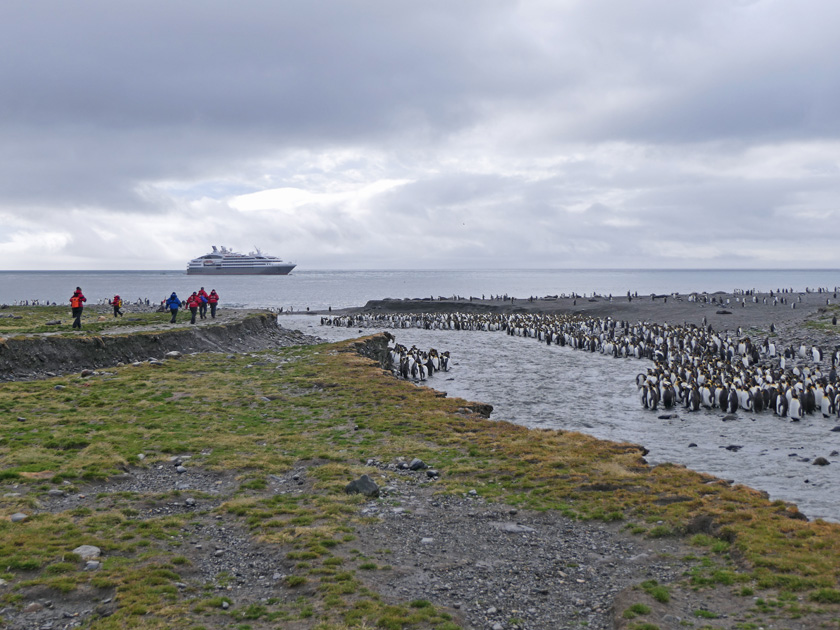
(192, 303)
(77, 303)
(116, 303)
(213, 300)
(202, 303)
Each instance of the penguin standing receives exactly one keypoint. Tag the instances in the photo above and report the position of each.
(795, 409)
(732, 401)
(826, 407)
(781, 406)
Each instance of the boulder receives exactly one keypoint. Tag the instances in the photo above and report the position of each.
(87, 552)
(363, 485)
(417, 464)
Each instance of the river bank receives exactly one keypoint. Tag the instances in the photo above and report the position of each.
(516, 528)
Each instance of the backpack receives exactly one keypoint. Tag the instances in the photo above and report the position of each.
(75, 301)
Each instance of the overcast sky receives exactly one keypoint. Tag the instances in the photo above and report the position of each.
(427, 135)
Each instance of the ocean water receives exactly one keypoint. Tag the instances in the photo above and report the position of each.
(528, 382)
(339, 289)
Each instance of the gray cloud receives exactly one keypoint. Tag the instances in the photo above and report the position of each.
(525, 134)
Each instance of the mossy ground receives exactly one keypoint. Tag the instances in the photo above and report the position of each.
(24, 320)
(330, 410)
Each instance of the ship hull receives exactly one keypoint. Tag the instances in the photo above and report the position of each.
(274, 270)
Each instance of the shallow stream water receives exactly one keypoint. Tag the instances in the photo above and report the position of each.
(536, 385)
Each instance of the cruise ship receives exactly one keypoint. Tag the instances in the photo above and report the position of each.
(224, 262)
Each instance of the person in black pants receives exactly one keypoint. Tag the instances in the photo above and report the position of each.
(173, 304)
(213, 300)
(77, 303)
(192, 303)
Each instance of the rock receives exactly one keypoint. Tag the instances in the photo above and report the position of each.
(733, 447)
(92, 565)
(173, 354)
(363, 485)
(55, 492)
(225, 605)
(33, 607)
(141, 456)
(729, 417)
(87, 552)
(723, 312)
(180, 470)
(692, 445)
(820, 461)
(427, 541)
(514, 528)
(190, 502)
(417, 464)
(18, 517)
(85, 373)
(432, 473)
(53, 322)
(21, 419)
(668, 416)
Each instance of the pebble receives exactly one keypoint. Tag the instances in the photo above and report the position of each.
(18, 517)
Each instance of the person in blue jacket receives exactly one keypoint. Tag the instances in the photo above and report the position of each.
(173, 304)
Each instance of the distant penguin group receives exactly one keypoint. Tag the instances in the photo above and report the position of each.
(694, 366)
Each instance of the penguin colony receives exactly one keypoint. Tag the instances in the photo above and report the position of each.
(417, 364)
(694, 367)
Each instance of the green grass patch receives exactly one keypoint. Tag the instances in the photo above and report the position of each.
(657, 591)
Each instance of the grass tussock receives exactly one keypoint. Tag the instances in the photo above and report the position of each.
(327, 412)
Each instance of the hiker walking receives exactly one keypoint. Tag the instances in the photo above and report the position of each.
(203, 299)
(77, 303)
(116, 303)
(213, 300)
(192, 303)
(173, 304)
